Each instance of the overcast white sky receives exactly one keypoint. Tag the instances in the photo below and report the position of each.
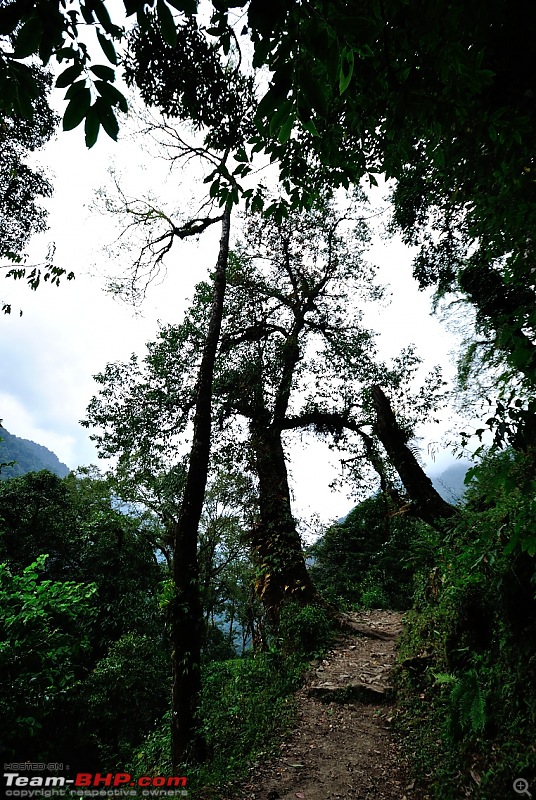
(49, 355)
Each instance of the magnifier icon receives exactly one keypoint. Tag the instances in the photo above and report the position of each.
(521, 786)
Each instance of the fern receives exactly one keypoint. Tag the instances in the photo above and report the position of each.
(467, 706)
(478, 714)
(415, 450)
(444, 678)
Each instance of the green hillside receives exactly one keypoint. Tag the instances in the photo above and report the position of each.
(27, 457)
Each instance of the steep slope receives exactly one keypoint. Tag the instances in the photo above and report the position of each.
(28, 457)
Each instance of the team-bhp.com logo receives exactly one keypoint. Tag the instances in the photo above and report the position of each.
(93, 784)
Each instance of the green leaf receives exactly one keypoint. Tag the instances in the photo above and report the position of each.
(310, 127)
(347, 69)
(68, 76)
(241, 155)
(112, 95)
(102, 15)
(103, 72)
(74, 89)
(87, 13)
(167, 24)
(214, 188)
(28, 38)
(91, 127)
(274, 97)
(286, 130)
(77, 109)
(107, 48)
(107, 117)
(280, 117)
(65, 52)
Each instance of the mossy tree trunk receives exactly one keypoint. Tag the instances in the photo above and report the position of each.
(427, 502)
(276, 545)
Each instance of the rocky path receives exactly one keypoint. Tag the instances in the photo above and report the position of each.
(342, 747)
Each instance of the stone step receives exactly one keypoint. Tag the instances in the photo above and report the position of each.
(355, 692)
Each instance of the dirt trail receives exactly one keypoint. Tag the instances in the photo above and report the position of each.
(342, 747)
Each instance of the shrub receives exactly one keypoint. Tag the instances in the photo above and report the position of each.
(371, 558)
(467, 669)
(305, 631)
(247, 704)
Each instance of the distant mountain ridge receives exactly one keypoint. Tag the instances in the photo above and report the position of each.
(449, 483)
(28, 457)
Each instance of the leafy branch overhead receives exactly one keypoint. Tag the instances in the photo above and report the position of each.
(22, 186)
(53, 30)
(346, 93)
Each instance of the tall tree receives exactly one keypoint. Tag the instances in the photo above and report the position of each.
(191, 83)
(285, 300)
(294, 355)
(186, 612)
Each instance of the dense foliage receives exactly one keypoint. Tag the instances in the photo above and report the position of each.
(467, 665)
(43, 633)
(23, 184)
(373, 556)
(466, 671)
(247, 705)
(437, 96)
(74, 567)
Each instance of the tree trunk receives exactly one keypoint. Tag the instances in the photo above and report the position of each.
(277, 550)
(231, 621)
(186, 611)
(426, 502)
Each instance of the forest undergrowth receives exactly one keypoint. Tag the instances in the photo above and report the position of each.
(464, 680)
(465, 675)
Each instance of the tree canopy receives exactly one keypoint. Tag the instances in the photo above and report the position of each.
(437, 98)
(23, 185)
(294, 355)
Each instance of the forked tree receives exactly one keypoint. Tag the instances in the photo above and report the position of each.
(294, 355)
